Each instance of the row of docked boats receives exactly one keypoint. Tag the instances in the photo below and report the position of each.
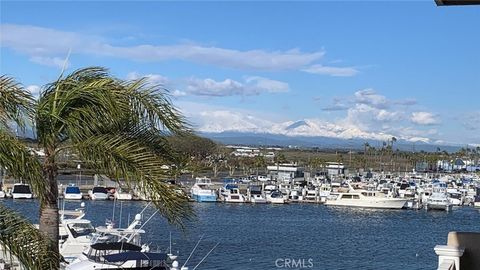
(70, 192)
(371, 193)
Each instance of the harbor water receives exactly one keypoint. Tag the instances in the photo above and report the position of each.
(294, 236)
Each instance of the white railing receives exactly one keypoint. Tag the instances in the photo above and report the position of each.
(448, 257)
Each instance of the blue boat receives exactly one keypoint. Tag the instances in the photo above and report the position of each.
(201, 191)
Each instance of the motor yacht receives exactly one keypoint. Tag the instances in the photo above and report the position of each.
(21, 191)
(120, 255)
(72, 192)
(122, 196)
(98, 193)
(439, 199)
(366, 199)
(231, 193)
(255, 194)
(202, 190)
(276, 197)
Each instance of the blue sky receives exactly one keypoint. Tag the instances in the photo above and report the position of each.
(349, 69)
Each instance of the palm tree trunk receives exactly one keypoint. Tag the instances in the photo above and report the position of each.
(49, 216)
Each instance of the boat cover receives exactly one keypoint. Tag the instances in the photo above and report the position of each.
(135, 256)
(116, 246)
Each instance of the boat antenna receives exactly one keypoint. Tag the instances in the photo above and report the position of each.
(170, 242)
(206, 256)
(137, 230)
(193, 250)
(113, 215)
(121, 208)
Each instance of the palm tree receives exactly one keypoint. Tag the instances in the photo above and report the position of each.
(114, 126)
(18, 236)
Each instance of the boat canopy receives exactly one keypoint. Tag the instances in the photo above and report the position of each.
(99, 190)
(21, 188)
(135, 256)
(116, 246)
(231, 186)
(72, 190)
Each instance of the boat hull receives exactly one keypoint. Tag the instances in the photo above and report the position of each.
(123, 196)
(99, 196)
(204, 198)
(379, 204)
(73, 196)
(22, 196)
(258, 200)
(442, 207)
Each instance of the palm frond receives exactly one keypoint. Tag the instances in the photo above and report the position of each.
(22, 240)
(134, 158)
(21, 164)
(16, 104)
(151, 104)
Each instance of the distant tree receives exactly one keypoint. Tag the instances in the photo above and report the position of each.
(192, 145)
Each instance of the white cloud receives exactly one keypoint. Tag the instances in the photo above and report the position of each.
(332, 71)
(228, 87)
(34, 90)
(268, 85)
(210, 87)
(41, 44)
(50, 61)
(424, 118)
(370, 97)
(154, 79)
(178, 93)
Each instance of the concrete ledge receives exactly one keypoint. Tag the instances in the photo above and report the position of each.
(470, 241)
(448, 257)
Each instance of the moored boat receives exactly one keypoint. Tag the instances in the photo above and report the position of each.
(21, 191)
(72, 192)
(98, 193)
(202, 190)
(366, 199)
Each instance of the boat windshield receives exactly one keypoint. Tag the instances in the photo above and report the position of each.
(72, 190)
(21, 189)
(80, 229)
(99, 190)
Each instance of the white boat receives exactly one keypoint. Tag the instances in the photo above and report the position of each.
(312, 194)
(72, 192)
(366, 199)
(202, 190)
(255, 195)
(21, 191)
(439, 199)
(455, 197)
(75, 236)
(98, 193)
(2, 193)
(276, 197)
(122, 196)
(118, 255)
(296, 194)
(231, 193)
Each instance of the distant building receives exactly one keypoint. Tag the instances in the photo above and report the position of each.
(335, 168)
(286, 172)
(458, 164)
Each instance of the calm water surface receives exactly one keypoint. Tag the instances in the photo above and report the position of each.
(258, 236)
